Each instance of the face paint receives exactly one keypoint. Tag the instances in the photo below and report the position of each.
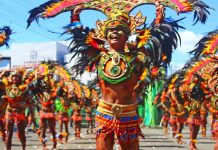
(121, 32)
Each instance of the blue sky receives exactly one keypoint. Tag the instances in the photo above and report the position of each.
(14, 13)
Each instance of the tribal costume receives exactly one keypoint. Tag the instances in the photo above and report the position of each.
(3, 102)
(17, 98)
(203, 116)
(3, 105)
(88, 106)
(214, 113)
(123, 67)
(197, 87)
(124, 123)
(77, 117)
(47, 112)
(160, 101)
(62, 107)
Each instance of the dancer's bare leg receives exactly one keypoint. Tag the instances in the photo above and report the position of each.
(9, 128)
(21, 132)
(105, 142)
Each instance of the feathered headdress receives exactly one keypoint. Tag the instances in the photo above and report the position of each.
(207, 45)
(5, 33)
(55, 7)
(159, 39)
(198, 67)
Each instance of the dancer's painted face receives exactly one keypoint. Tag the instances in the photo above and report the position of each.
(15, 79)
(116, 36)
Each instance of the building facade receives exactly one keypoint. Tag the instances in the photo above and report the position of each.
(28, 54)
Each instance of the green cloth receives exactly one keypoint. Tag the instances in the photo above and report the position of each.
(152, 115)
(141, 110)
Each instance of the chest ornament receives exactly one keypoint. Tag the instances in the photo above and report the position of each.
(115, 68)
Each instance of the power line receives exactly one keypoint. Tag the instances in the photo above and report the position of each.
(17, 22)
(57, 21)
(18, 11)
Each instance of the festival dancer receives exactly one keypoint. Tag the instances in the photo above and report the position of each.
(88, 106)
(181, 119)
(123, 67)
(204, 114)
(182, 111)
(62, 106)
(17, 98)
(160, 100)
(214, 112)
(31, 113)
(47, 112)
(5, 33)
(3, 102)
(77, 117)
(165, 120)
(27, 78)
(3, 105)
(214, 103)
(194, 120)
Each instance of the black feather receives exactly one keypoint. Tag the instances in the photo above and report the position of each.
(37, 12)
(200, 46)
(201, 11)
(7, 31)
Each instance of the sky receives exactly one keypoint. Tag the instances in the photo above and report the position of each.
(14, 13)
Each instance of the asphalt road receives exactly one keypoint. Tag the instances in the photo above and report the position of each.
(154, 139)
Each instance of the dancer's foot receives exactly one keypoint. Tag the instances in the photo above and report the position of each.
(180, 141)
(173, 134)
(66, 140)
(54, 145)
(203, 134)
(192, 145)
(165, 130)
(60, 141)
(44, 147)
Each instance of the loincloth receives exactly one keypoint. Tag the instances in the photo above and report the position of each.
(194, 120)
(88, 118)
(47, 115)
(16, 117)
(181, 119)
(63, 118)
(173, 120)
(119, 119)
(77, 118)
(166, 117)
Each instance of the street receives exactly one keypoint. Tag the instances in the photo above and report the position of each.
(154, 139)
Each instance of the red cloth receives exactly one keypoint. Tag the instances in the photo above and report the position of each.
(88, 118)
(126, 128)
(166, 117)
(203, 120)
(63, 118)
(77, 118)
(47, 115)
(173, 120)
(181, 119)
(16, 117)
(194, 120)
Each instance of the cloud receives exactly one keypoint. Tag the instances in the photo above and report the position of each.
(188, 41)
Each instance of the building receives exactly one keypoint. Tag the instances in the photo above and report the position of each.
(27, 54)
